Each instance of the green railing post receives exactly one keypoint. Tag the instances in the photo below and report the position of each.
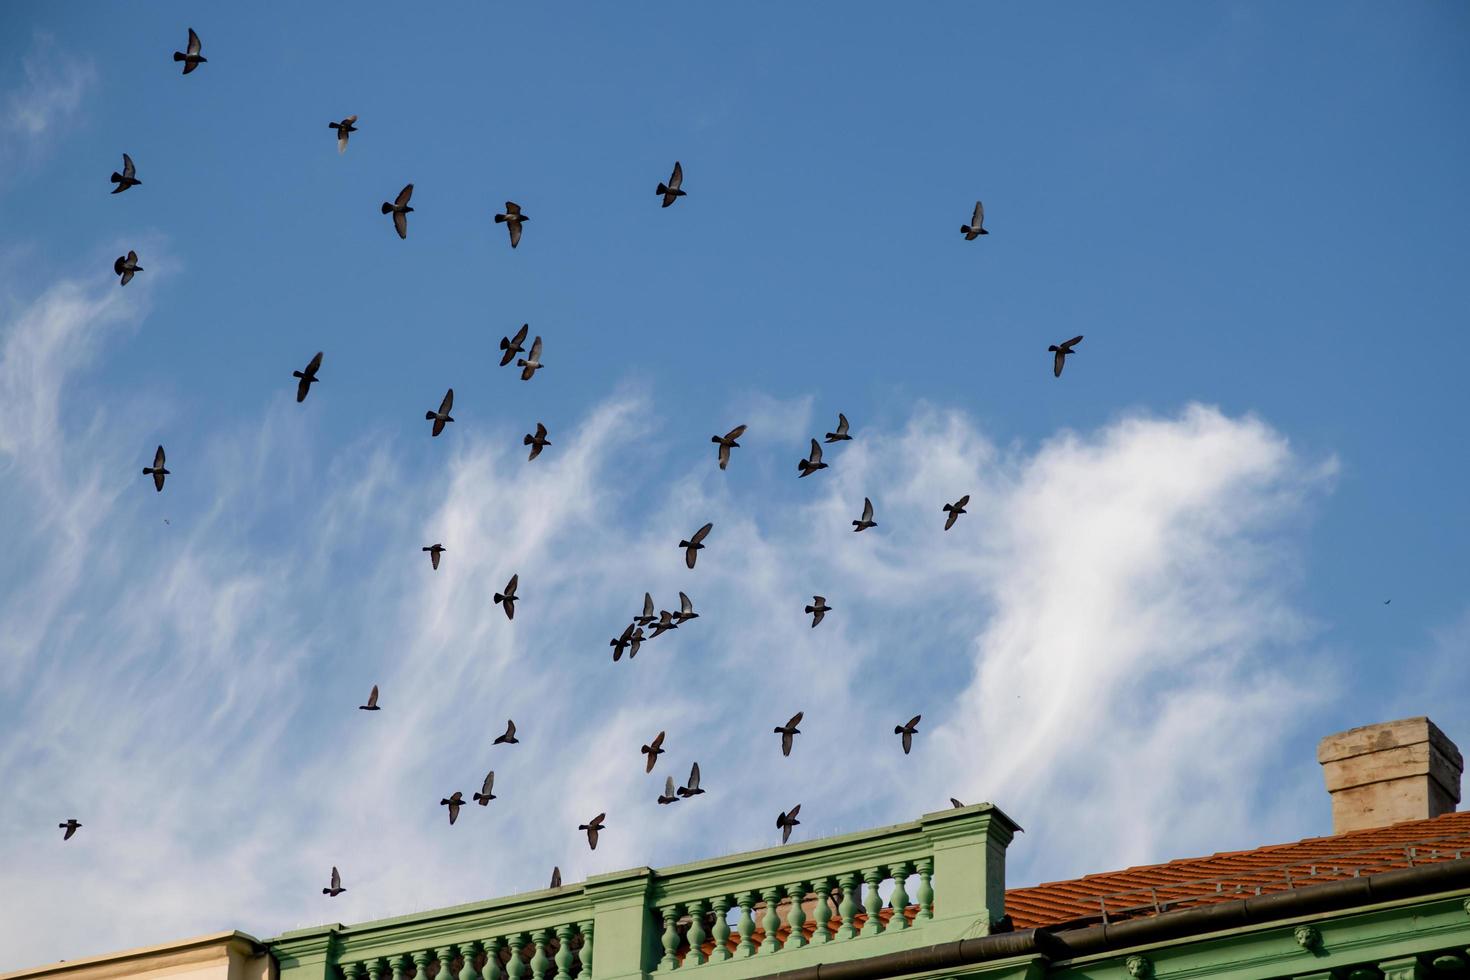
(970, 866)
(626, 937)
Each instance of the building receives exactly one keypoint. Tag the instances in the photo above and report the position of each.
(218, 956)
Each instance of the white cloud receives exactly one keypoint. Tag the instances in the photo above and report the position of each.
(1108, 616)
(50, 95)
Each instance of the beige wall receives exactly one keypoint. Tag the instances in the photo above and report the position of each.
(220, 956)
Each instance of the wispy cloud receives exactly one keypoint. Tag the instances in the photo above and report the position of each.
(48, 98)
(1114, 602)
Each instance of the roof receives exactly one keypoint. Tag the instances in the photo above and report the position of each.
(1191, 882)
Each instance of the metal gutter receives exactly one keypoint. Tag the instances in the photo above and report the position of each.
(1068, 943)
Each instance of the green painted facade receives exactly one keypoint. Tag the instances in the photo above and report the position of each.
(761, 913)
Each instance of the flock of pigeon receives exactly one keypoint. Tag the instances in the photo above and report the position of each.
(633, 635)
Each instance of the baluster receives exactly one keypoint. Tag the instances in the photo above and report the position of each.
(771, 921)
(351, 971)
(374, 969)
(873, 901)
(399, 964)
(468, 951)
(540, 962)
(795, 916)
(822, 910)
(446, 963)
(670, 915)
(899, 900)
(516, 965)
(421, 964)
(926, 890)
(697, 935)
(849, 906)
(564, 952)
(492, 948)
(720, 905)
(584, 955)
(747, 925)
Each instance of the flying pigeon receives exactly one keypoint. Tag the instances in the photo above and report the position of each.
(537, 442)
(841, 433)
(126, 266)
(507, 599)
(344, 129)
(435, 550)
(1062, 350)
(818, 609)
(454, 803)
(813, 462)
(686, 609)
(727, 442)
(593, 827)
(308, 377)
(190, 56)
(653, 750)
(647, 616)
(789, 731)
(513, 220)
(695, 545)
(692, 787)
(400, 210)
(70, 827)
(372, 704)
(336, 887)
(555, 878)
(442, 417)
(974, 229)
(786, 821)
(513, 345)
(955, 510)
(127, 178)
(484, 796)
(663, 625)
(956, 803)
(530, 365)
(907, 731)
(621, 642)
(672, 191)
(156, 470)
(635, 641)
(669, 795)
(509, 738)
(867, 519)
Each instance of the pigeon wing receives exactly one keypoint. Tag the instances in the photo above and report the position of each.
(403, 196)
(488, 784)
(724, 455)
(520, 337)
(373, 697)
(448, 403)
(979, 217)
(400, 224)
(867, 510)
(515, 233)
(194, 45)
(158, 459)
(702, 532)
(128, 170)
(735, 433)
(816, 454)
(677, 178)
(1058, 359)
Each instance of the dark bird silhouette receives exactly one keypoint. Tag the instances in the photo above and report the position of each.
(372, 704)
(127, 178)
(635, 641)
(126, 266)
(435, 550)
(691, 788)
(507, 599)
(954, 511)
(669, 795)
(663, 625)
(530, 365)
(727, 442)
(555, 878)
(442, 417)
(818, 609)
(344, 129)
(686, 609)
(70, 827)
(190, 56)
(593, 828)
(975, 228)
(509, 738)
(484, 796)
(647, 616)
(621, 642)
(335, 888)
(1062, 350)
(513, 345)
(513, 220)
(786, 821)
(157, 470)
(671, 190)
(400, 210)
(866, 521)
(454, 803)
(841, 433)
(695, 544)
(1387, 601)
(308, 377)
(813, 462)
(789, 731)
(537, 442)
(907, 731)
(956, 803)
(653, 750)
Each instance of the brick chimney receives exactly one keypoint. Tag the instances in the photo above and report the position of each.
(1388, 773)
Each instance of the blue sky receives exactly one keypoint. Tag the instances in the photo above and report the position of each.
(1254, 214)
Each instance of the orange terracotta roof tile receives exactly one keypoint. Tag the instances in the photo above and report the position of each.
(1229, 875)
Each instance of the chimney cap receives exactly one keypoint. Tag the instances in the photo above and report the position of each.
(1387, 773)
(1387, 735)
